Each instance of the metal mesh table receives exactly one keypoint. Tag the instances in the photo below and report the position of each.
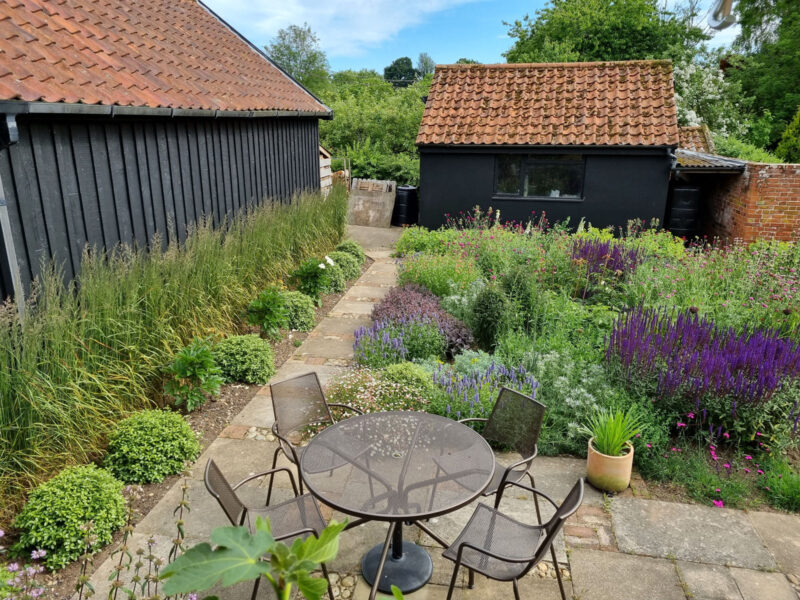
(383, 467)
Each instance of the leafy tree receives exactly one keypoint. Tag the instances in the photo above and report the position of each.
(425, 64)
(597, 30)
(296, 49)
(736, 148)
(401, 72)
(467, 61)
(789, 147)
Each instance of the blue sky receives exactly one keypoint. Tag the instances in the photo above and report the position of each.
(358, 34)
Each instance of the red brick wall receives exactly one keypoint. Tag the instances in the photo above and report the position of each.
(761, 203)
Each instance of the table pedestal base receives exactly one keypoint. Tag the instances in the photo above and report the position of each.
(409, 572)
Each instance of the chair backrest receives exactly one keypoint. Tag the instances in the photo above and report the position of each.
(516, 421)
(219, 487)
(570, 504)
(298, 403)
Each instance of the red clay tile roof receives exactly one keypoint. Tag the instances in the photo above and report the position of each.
(630, 103)
(153, 53)
(697, 138)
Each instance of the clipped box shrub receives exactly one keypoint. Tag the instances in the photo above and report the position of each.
(348, 263)
(245, 358)
(300, 310)
(149, 446)
(56, 511)
(354, 248)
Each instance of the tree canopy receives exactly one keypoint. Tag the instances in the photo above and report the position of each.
(401, 72)
(425, 64)
(297, 51)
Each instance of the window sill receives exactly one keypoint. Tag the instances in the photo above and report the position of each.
(536, 198)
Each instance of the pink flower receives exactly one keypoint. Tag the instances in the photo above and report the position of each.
(690, 415)
(712, 447)
(727, 465)
(746, 470)
(649, 445)
(681, 424)
(760, 472)
(726, 435)
(718, 503)
(758, 433)
(748, 457)
(718, 490)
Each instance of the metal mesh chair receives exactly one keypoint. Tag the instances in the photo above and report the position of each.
(299, 403)
(298, 517)
(504, 549)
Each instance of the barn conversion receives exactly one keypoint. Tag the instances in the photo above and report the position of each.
(572, 140)
(122, 120)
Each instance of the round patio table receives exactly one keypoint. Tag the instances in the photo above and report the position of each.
(383, 467)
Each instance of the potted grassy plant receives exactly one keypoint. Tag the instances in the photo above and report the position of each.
(610, 457)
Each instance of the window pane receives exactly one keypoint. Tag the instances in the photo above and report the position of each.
(508, 174)
(563, 179)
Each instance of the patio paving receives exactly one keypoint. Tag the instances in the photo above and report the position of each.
(625, 548)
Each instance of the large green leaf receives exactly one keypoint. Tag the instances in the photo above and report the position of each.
(236, 558)
(312, 588)
(322, 549)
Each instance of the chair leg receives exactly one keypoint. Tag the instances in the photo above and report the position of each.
(471, 583)
(453, 581)
(516, 589)
(255, 589)
(328, 579)
(535, 499)
(272, 475)
(558, 572)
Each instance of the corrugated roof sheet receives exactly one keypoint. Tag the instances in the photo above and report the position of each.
(696, 138)
(690, 160)
(151, 53)
(628, 103)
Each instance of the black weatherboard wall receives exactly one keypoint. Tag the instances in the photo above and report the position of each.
(72, 181)
(619, 185)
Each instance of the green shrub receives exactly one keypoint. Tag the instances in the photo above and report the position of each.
(337, 282)
(193, 375)
(349, 264)
(443, 275)
(149, 446)
(410, 375)
(472, 362)
(354, 248)
(300, 311)
(56, 511)
(269, 312)
(789, 147)
(372, 392)
(736, 148)
(245, 358)
(389, 342)
(491, 316)
(419, 239)
(312, 279)
(782, 485)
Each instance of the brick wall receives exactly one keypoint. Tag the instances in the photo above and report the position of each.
(761, 203)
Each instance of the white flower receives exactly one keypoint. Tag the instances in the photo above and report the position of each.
(329, 259)
(321, 265)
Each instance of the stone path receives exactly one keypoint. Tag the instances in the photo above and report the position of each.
(625, 548)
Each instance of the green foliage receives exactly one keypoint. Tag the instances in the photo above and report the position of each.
(401, 72)
(425, 64)
(789, 147)
(312, 278)
(269, 312)
(601, 30)
(89, 354)
(350, 265)
(193, 375)
(296, 50)
(612, 430)
(443, 275)
(354, 248)
(300, 310)
(336, 280)
(782, 485)
(419, 239)
(245, 358)
(736, 148)
(371, 162)
(237, 555)
(492, 315)
(149, 446)
(393, 342)
(472, 362)
(410, 375)
(57, 510)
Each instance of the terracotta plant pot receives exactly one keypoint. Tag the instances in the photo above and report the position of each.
(609, 473)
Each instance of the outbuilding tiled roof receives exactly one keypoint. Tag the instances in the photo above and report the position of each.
(696, 138)
(689, 160)
(149, 53)
(628, 103)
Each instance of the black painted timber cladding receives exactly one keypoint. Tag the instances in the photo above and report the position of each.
(73, 182)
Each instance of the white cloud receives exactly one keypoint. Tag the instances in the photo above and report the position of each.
(345, 28)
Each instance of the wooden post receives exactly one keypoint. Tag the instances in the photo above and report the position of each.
(10, 253)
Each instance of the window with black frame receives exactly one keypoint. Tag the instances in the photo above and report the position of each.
(556, 176)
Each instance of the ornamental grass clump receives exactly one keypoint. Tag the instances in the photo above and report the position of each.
(414, 301)
(688, 357)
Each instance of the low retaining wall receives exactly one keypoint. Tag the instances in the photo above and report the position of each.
(761, 203)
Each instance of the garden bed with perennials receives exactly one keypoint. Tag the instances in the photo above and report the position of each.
(699, 342)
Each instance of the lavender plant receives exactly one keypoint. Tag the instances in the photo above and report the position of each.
(605, 256)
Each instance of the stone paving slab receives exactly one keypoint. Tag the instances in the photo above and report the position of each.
(349, 307)
(555, 476)
(366, 293)
(757, 585)
(326, 347)
(598, 575)
(341, 327)
(781, 534)
(688, 532)
(708, 582)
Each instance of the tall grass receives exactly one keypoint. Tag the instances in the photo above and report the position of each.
(90, 352)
